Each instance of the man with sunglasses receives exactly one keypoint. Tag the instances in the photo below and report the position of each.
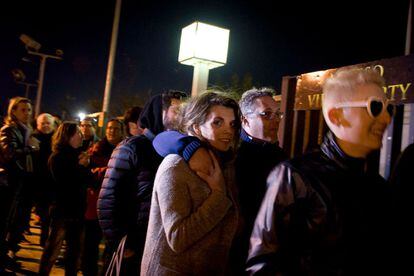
(324, 213)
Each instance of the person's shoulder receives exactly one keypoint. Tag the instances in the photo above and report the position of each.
(174, 161)
(174, 167)
(314, 158)
(134, 142)
(8, 128)
(58, 156)
(409, 150)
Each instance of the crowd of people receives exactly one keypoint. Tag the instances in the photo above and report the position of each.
(200, 186)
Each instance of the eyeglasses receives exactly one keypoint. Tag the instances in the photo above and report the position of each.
(375, 106)
(270, 115)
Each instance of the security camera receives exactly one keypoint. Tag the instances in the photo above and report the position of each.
(30, 42)
(59, 52)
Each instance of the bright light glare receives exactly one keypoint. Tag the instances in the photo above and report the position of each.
(81, 115)
(205, 43)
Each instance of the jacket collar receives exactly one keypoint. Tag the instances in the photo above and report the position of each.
(332, 150)
(252, 140)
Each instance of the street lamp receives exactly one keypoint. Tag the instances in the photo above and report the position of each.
(205, 47)
(20, 77)
(33, 48)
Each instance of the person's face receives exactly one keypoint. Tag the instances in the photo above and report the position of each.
(76, 140)
(23, 112)
(170, 116)
(113, 132)
(45, 124)
(134, 129)
(360, 129)
(87, 129)
(263, 123)
(219, 128)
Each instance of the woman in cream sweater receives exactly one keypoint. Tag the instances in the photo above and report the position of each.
(194, 215)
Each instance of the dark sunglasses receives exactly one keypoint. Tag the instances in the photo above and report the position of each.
(375, 106)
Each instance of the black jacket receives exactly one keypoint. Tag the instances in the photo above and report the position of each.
(43, 179)
(13, 149)
(322, 214)
(254, 161)
(70, 183)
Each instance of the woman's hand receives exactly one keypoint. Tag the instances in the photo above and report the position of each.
(201, 161)
(215, 177)
(83, 159)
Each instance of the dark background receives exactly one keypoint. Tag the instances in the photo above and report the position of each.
(268, 40)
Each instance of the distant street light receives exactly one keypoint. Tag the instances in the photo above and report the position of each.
(81, 115)
(205, 47)
(19, 77)
(33, 48)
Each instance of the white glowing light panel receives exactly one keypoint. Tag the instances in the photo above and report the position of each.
(204, 43)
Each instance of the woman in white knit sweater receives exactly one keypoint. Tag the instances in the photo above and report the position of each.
(194, 215)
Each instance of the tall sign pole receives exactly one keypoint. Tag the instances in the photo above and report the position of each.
(408, 121)
(111, 62)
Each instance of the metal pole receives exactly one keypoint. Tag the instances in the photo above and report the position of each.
(40, 84)
(111, 61)
(43, 58)
(27, 90)
(407, 135)
(200, 79)
(408, 119)
(409, 29)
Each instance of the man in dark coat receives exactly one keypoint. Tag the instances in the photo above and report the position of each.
(323, 213)
(125, 196)
(258, 154)
(45, 127)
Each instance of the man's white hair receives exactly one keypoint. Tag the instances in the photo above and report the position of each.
(47, 115)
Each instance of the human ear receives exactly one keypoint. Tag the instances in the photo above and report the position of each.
(196, 129)
(244, 121)
(335, 116)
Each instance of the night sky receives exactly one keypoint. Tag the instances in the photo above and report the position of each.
(268, 40)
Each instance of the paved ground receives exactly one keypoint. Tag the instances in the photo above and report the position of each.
(29, 255)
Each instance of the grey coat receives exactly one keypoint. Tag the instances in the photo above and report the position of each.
(191, 228)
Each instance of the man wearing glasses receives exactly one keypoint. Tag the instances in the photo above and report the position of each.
(87, 127)
(258, 154)
(324, 213)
